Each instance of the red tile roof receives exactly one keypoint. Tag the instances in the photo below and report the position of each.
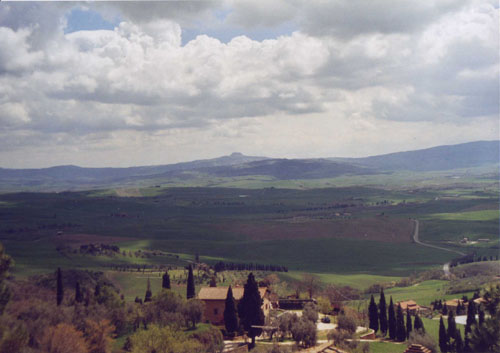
(220, 293)
(410, 304)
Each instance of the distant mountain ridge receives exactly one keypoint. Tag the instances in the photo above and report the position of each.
(466, 155)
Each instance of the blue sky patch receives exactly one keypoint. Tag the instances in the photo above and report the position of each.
(87, 20)
(226, 33)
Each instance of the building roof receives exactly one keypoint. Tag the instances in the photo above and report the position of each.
(480, 300)
(417, 348)
(454, 302)
(220, 293)
(410, 304)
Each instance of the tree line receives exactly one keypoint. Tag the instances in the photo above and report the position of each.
(231, 266)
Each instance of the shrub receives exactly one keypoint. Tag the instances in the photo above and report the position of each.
(63, 338)
(304, 332)
(419, 337)
(285, 323)
(164, 340)
(310, 312)
(347, 323)
(211, 339)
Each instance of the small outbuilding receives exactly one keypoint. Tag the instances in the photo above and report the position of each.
(417, 348)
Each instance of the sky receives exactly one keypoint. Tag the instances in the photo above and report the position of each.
(143, 83)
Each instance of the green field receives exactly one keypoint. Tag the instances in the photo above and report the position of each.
(423, 293)
(387, 347)
(485, 215)
(209, 221)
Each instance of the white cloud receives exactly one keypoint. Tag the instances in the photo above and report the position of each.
(347, 75)
(15, 54)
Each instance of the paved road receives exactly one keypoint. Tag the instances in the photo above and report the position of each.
(446, 266)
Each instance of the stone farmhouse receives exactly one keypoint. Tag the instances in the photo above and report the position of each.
(215, 301)
(411, 305)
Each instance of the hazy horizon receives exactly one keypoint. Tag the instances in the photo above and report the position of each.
(238, 152)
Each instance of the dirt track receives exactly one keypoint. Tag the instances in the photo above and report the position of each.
(446, 266)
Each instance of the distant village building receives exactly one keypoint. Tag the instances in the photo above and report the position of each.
(411, 305)
(215, 301)
(452, 304)
(479, 301)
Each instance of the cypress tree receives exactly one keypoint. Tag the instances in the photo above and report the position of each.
(149, 295)
(471, 317)
(452, 326)
(418, 324)
(459, 344)
(60, 290)
(78, 293)
(165, 281)
(443, 337)
(466, 343)
(190, 292)
(400, 325)
(382, 306)
(408, 323)
(373, 314)
(230, 314)
(480, 313)
(249, 309)
(445, 309)
(392, 321)
(97, 290)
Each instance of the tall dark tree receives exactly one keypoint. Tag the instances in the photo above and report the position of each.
(445, 309)
(471, 317)
(373, 314)
(230, 313)
(408, 323)
(400, 325)
(443, 337)
(149, 294)
(97, 290)
(190, 292)
(213, 282)
(459, 343)
(467, 343)
(165, 281)
(392, 321)
(60, 289)
(250, 310)
(382, 316)
(78, 293)
(480, 314)
(452, 326)
(418, 324)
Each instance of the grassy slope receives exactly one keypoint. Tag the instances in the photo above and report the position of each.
(358, 281)
(423, 293)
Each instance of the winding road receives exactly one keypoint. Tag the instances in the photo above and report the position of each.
(446, 266)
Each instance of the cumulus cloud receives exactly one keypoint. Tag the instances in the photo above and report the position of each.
(349, 68)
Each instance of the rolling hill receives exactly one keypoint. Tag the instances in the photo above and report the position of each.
(465, 155)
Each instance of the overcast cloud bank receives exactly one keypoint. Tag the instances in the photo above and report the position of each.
(354, 78)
